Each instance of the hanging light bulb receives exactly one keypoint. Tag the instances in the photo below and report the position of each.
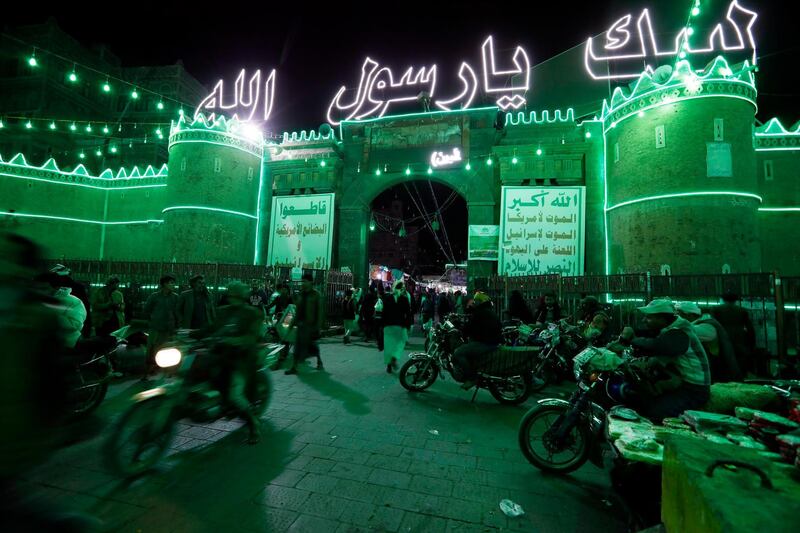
(2, 125)
(52, 125)
(105, 129)
(435, 223)
(82, 155)
(98, 153)
(88, 128)
(32, 60)
(377, 172)
(372, 224)
(106, 87)
(160, 105)
(134, 94)
(408, 171)
(73, 77)
(28, 125)
(113, 149)
(514, 160)
(73, 127)
(430, 171)
(322, 163)
(489, 161)
(402, 232)
(538, 151)
(468, 167)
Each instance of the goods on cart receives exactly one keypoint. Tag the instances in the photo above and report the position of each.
(725, 397)
(703, 422)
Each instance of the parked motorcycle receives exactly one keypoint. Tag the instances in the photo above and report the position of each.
(142, 435)
(557, 345)
(90, 371)
(559, 436)
(509, 380)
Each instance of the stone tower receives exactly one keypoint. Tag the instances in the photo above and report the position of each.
(681, 172)
(214, 196)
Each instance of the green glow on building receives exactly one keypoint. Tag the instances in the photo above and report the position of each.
(81, 220)
(515, 119)
(685, 195)
(213, 209)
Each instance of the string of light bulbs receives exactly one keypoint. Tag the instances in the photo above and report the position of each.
(73, 77)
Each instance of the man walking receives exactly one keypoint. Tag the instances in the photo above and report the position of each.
(108, 308)
(308, 321)
(196, 308)
(161, 309)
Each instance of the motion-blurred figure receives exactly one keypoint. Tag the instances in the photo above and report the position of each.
(32, 388)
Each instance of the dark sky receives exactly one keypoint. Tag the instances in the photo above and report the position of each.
(318, 49)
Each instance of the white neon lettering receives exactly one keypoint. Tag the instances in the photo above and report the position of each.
(377, 91)
(441, 159)
(470, 81)
(245, 102)
(630, 63)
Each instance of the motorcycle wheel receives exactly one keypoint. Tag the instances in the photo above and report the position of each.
(262, 392)
(513, 391)
(415, 376)
(85, 401)
(134, 446)
(533, 428)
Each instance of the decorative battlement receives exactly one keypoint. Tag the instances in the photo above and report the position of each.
(18, 167)
(773, 136)
(214, 129)
(515, 119)
(308, 137)
(683, 83)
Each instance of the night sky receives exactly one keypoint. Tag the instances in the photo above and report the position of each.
(317, 49)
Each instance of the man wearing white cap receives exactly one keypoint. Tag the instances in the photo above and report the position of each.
(677, 346)
(720, 352)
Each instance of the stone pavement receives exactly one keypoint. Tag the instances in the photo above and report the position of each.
(347, 449)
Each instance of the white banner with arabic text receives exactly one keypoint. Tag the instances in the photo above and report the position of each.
(542, 231)
(301, 231)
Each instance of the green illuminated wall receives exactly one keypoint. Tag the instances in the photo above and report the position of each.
(779, 183)
(690, 234)
(211, 211)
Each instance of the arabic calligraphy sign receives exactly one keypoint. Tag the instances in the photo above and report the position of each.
(377, 89)
(542, 231)
(301, 231)
(631, 42)
(441, 159)
(484, 242)
(243, 104)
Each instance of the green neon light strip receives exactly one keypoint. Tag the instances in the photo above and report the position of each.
(515, 119)
(774, 128)
(605, 208)
(423, 114)
(106, 188)
(684, 195)
(784, 149)
(80, 170)
(201, 208)
(779, 209)
(215, 143)
(675, 101)
(68, 219)
(258, 214)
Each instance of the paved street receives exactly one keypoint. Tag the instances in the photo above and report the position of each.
(347, 449)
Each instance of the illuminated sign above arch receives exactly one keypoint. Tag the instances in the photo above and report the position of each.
(377, 91)
(631, 46)
(243, 104)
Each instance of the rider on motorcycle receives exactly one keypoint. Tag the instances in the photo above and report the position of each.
(675, 352)
(237, 329)
(484, 332)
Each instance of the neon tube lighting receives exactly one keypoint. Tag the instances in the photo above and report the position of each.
(215, 209)
(426, 113)
(101, 188)
(69, 219)
(785, 149)
(685, 195)
(779, 209)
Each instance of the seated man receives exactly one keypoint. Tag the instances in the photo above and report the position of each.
(238, 328)
(484, 334)
(597, 332)
(715, 340)
(677, 347)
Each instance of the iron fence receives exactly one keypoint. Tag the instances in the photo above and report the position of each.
(139, 279)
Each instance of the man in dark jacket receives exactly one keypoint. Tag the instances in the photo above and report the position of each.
(308, 320)
(720, 352)
(484, 333)
(549, 312)
(195, 306)
(739, 327)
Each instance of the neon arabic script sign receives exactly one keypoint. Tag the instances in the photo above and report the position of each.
(626, 47)
(379, 88)
(441, 159)
(246, 102)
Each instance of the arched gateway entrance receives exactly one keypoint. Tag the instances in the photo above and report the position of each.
(386, 152)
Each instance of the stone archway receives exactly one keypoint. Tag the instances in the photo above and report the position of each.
(477, 187)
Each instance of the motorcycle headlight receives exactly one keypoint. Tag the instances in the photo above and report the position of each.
(168, 357)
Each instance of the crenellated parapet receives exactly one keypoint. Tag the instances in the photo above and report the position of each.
(121, 179)
(681, 83)
(773, 136)
(212, 129)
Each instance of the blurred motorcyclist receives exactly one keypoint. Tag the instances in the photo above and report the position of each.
(237, 330)
(484, 333)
